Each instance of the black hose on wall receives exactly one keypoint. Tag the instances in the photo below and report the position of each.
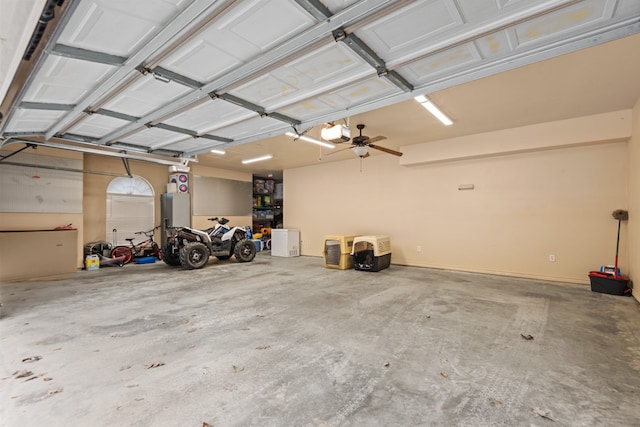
(47, 15)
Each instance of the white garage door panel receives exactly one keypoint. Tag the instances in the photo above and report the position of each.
(97, 126)
(238, 36)
(153, 137)
(442, 63)
(211, 115)
(566, 20)
(252, 127)
(65, 80)
(146, 95)
(341, 99)
(33, 120)
(92, 25)
(332, 66)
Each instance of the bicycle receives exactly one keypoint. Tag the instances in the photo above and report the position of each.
(145, 248)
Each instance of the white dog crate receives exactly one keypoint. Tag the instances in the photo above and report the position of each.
(285, 243)
(371, 253)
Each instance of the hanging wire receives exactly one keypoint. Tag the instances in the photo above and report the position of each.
(36, 176)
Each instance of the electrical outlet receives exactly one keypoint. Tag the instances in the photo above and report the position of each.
(419, 249)
(552, 258)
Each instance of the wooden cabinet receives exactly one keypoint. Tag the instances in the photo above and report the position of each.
(38, 254)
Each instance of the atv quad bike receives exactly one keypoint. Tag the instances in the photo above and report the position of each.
(192, 248)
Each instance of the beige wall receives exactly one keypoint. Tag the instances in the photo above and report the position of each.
(634, 202)
(607, 127)
(524, 207)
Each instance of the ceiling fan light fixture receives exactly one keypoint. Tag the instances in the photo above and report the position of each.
(360, 150)
(336, 133)
(309, 139)
(257, 159)
(433, 109)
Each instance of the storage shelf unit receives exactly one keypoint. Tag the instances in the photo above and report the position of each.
(267, 204)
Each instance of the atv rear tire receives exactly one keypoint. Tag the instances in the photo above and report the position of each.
(194, 255)
(170, 258)
(245, 251)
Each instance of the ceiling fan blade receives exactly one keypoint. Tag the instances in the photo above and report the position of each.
(386, 150)
(375, 139)
(337, 151)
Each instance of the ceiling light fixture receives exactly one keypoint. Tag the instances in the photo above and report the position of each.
(221, 152)
(434, 110)
(257, 159)
(336, 133)
(360, 150)
(309, 139)
(161, 78)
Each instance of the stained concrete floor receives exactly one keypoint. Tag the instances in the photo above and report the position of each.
(287, 342)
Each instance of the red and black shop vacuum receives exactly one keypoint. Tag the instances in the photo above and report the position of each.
(611, 282)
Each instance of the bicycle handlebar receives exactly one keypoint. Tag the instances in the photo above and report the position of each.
(148, 233)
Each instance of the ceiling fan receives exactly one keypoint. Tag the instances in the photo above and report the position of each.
(360, 145)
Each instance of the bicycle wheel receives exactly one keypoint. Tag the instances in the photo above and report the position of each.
(124, 251)
(157, 250)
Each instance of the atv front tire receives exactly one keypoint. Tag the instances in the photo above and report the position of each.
(194, 255)
(170, 258)
(245, 251)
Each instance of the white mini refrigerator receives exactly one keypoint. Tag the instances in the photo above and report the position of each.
(285, 242)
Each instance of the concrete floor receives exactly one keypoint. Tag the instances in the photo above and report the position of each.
(287, 342)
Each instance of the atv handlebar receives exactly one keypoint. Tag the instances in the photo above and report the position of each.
(221, 221)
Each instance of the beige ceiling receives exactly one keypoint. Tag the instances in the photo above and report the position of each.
(599, 79)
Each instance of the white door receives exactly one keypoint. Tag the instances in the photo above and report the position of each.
(130, 208)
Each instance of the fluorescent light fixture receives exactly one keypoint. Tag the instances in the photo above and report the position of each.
(257, 159)
(309, 139)
(221, 152)
(434, 110)
(336, 133)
